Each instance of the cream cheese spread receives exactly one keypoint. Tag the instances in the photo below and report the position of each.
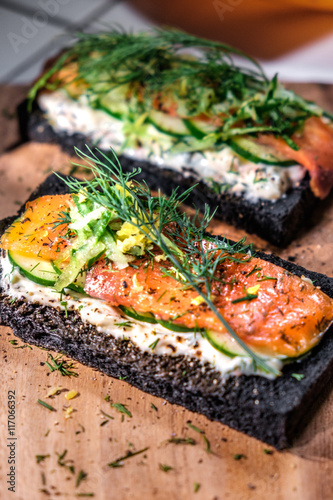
(148, 337)
(221, 169)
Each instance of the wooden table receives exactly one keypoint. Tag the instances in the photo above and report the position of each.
(92, 440)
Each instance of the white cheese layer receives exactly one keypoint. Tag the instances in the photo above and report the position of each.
(221, 169)
(148, 337)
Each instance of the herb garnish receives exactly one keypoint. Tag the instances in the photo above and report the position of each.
(266, 278)
(107, 415)
(157, 63)
(208, 448)
(194, 428)
(46, 405)
(194, 257)
(154, 344)
(165, 467)
(122, 409)
(80, 477)
(64, 463)
(248, 296)
(253, 271)
(129, 454)
(63, 367)
(179, 440)
(298, 376)
(41, 458)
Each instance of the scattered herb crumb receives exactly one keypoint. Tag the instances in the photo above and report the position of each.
(129, 454)
(196, 487)
(49, 407)
(107, 398)
(179, 440)
(208, 448)
(63, 366)
(104, 422)
(64, 463)
(298, 376)
(107, 415)
(154, 407)
(154, 344)
(194, 428)
(41, 458)
(239, 456)
(165, 467)
(80, 477)
(268, 452)
(85, 495)
(122, 409)
(82, 429)
(23, 347)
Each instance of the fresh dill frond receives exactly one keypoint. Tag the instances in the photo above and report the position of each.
(63, 218)
(201, 76)
(194, 256)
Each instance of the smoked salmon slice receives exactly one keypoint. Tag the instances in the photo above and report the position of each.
(315, 153)
(268, 307)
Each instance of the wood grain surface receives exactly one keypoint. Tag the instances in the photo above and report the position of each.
(237, 467)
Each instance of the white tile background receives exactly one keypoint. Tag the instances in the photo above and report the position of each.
(21, 59)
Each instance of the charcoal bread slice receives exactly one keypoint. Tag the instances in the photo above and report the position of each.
(277, 222)
(270, 410)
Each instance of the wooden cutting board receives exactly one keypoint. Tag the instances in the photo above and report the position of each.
(237, 468)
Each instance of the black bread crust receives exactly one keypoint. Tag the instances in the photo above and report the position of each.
(277, 222)
(269, 410)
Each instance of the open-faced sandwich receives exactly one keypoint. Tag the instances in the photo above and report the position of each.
(122, 281)
(191, 111)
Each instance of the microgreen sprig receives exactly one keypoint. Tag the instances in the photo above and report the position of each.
(193, 255)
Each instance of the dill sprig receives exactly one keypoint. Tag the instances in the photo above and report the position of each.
(194, 257)
(202, 76)
(64, 367)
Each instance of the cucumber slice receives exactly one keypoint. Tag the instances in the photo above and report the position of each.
(115, 101)
(170, 125)
(35, 269)
(224, 343)
(146, 317)
(78, 284)
(257, 153)
(200, 128)
(174, 327)
(115, 114)
(150, 318)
